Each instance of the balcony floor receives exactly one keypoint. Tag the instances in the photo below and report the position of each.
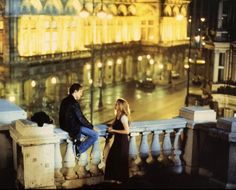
(159, 178)
(155, 178)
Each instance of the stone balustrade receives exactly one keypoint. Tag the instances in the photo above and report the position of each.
(150, 141)
(185, 142)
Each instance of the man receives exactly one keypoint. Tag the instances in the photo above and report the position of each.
(206, 93)
(72, 120)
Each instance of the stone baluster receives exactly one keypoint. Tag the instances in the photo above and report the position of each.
(144, 148)
(105, 153)
(134, 159)
(95, 159)
(177, 149)
(155, 146)
(166, 148)
(58, 163)
(177, 152)
(69, 161)
(83, 166)
(161, 155)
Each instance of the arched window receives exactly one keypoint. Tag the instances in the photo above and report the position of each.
(175, 11)
(122, 10)
(183, 11)
(73, 7)
(31, 7)
(167, 11)
(53, 7)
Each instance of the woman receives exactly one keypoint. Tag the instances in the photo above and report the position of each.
(117, 163)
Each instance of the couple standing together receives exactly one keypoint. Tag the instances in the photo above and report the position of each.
(73, 121)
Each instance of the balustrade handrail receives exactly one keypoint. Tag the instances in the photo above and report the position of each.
(150, 125)
(136, 127)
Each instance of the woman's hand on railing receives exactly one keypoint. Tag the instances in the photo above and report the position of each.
(110, 130)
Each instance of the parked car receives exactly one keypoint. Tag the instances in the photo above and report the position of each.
(174, 75)
(146, 83)
(197, 80)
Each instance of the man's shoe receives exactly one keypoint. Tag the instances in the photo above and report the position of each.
(77, 153)
(77, 142)
(78, 156)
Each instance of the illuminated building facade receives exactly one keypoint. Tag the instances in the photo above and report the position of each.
(213, 52)
(213, 39)
(45, 45)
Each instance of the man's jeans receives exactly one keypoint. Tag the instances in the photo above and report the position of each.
(90, 137)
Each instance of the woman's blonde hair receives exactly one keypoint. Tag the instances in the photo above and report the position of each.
(123, 107)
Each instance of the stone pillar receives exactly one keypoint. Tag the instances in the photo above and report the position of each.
(191, 150)
(216, 67)
(9, 112)
(224, 163)
(194, 115)
(35, 161)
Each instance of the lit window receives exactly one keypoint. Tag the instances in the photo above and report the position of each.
(53, 80)
(1, 25)
(33, 83)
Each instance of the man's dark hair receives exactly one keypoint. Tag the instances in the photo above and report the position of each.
(74, 87)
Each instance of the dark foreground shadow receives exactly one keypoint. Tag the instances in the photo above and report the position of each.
(158, 177)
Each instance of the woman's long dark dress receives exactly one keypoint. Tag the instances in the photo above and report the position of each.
(117, 163)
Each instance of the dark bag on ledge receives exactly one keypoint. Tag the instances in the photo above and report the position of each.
(40, 118)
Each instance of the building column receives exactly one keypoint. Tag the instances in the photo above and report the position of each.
(226, 65)
(216, 66)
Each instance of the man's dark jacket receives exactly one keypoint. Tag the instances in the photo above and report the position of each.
(71, 117)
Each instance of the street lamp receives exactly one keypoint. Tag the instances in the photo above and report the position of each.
(169, 68)
(186, 66)
(161, 66)
(188, 61)
(84, 13)
(100, 66)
